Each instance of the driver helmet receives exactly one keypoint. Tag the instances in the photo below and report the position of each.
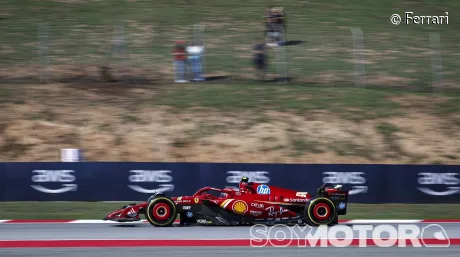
(244, 180)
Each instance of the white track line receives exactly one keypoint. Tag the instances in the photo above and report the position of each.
(129, 239)
(357, 221)
(382, 221)
(91, 221)
(105, 222)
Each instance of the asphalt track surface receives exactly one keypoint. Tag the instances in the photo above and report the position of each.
(452, 251)
(146, 231)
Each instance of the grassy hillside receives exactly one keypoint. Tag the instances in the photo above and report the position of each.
(81, 35)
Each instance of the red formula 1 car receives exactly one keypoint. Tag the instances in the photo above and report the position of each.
(253, 203)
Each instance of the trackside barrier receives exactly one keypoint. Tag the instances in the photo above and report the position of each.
(124, 181)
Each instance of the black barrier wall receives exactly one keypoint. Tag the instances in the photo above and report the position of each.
(85, 181)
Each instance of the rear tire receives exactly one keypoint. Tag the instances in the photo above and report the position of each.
(320, 211)
(161, 212)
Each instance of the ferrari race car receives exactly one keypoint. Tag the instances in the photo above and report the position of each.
(253, 203)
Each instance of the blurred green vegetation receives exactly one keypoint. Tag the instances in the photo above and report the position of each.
(81, 34)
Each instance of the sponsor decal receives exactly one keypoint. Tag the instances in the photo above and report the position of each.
(44, 177)
(196, 199)
(255, 213)
(356, 179)
(277, 219)
(257, 205)
(189, 214)
(271, 211)
(296, 200)
(203, 221)
(301, 194)
(222, 220)
(341, 206)
(448, 183)
(179, 198)
(132, 213)
(186, 207)
(337, 196)
(151, 176)
(283, 210)
(240, 207)
(263, 190)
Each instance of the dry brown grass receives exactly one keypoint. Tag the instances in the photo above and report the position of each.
(109, 126)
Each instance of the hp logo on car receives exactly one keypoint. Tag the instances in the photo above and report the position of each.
(263, 190)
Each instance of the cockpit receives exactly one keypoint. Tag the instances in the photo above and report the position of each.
(213, 193)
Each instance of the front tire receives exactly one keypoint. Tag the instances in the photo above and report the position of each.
(161, 212)
(320, 211)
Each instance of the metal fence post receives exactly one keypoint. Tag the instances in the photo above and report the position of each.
(281, 62)
(358, 54)
(436, 62)
(43, 53)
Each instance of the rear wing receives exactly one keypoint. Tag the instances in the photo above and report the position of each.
(337, 195)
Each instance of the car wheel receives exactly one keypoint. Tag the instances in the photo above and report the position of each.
(320, 211)
(161, 212)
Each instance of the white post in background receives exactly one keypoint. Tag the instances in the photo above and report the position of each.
(43, 52)
(358, 54)
(436, 62)
(280, 57)
(71, 155)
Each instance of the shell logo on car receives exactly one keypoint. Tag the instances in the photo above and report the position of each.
(240, 207)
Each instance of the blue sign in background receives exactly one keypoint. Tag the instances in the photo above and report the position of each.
(125, 181)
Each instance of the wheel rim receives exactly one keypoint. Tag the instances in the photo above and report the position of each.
(161, 211)
(322, 211)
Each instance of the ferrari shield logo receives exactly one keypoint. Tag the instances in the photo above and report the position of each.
(196, 200)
